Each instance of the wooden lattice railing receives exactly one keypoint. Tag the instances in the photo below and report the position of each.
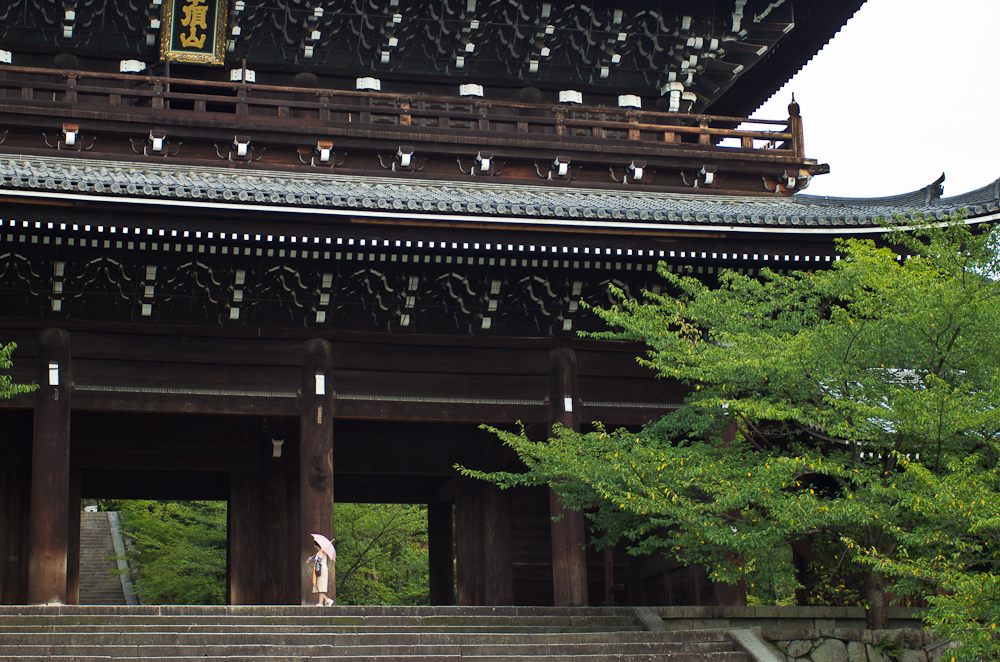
(158, 96)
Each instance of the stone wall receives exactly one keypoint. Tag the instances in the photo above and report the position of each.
(817, 634)
(849, 645)
(772, 620)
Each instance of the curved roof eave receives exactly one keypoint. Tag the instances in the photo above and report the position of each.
(814, 28)
(525, 205)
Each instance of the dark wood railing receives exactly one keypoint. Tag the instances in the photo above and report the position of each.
(180, 97)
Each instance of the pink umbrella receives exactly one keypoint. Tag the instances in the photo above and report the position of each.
(325, 544)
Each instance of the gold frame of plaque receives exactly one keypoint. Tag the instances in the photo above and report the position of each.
(194, 31)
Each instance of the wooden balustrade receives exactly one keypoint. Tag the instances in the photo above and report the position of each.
(178, 97)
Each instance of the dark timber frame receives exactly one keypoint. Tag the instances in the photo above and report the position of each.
(292, 292)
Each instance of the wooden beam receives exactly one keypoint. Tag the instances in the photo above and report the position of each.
(49, 536)
(156, 485)
(188, 404)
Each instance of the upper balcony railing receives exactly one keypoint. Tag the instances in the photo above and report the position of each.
(163, 98)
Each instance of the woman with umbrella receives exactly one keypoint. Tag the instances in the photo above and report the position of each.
(325, 555)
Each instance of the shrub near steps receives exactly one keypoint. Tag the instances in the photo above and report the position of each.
(348, 634)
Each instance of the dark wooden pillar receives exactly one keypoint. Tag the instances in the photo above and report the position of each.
(569, 562)
(730, 595)
(316, 459)
(244, 538)
(440, 554)
(496, 546)
(73, 551)
(274, 527)
(5, 529)
(636, 591)
(482, 543)
(48, 540)
(13, 564)
(293, 562)
(469, 535)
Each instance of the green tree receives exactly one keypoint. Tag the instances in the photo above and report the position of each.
(382, 554)
(816, 400)
(178, 550)
(8, 388)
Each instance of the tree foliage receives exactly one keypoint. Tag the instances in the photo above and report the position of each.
(8, 388)
(382, 554)
(832, 406)
(178, 550)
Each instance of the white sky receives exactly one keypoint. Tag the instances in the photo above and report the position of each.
(907, 90)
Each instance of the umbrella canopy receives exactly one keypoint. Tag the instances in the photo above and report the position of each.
(325, 544)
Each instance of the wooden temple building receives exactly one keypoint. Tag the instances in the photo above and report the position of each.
(286, 254)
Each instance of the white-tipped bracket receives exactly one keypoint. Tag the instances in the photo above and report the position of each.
(708, 174)
(324, 150)
(561, 166)
(405, 156)
(244, 75)
(483, 160)
(242, 145)
(636, 169)
(570, 96)
(157, 140)
(131, 66)
(70, 133)
(629, 101)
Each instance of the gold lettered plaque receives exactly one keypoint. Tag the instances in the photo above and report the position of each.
(194, 31)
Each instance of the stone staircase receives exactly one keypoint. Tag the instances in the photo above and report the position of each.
(97, 585)
(349, 634)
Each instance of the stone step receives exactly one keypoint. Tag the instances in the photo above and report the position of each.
(263, 654)
(329, 616)
(344, 610)
(350, 640)
(146, 648)
(256, 633)
(348, 634)
(97, 585)
(679, 657)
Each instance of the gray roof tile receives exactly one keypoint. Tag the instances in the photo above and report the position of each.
(60, 177)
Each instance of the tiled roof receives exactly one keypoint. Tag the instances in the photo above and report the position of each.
(340, 194)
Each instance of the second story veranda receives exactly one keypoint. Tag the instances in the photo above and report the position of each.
(502, 135)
